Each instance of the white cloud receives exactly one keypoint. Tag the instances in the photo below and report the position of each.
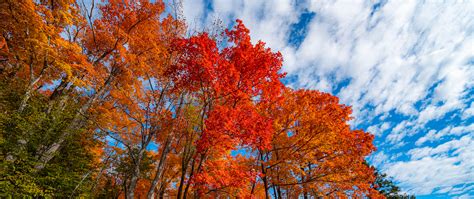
(379, 159)
(444, 148)
(463, 189)
(379, 129)
(468, 112)
(193, 11)
(433, 135)
(443, 167)
(465, 196)
(429, 136)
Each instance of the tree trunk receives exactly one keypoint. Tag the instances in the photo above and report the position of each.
(162, 193)
(201, 161)
(25, 99)
(133, 183)
(275, 192)
(184, 169)
(279, 191)
(135, 174)
(48, 154)
(265, 180)
(265, 183)
(23, 142)
(76, 123)
(181, 182)
(252, 191)
(159, 169)
(31, 85)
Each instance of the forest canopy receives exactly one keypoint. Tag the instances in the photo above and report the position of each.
(116, 99)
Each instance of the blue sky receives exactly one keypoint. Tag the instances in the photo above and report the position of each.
(407, 69)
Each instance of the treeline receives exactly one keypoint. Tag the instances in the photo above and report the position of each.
(115, 100)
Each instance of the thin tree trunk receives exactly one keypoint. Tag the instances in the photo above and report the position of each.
(133, 183)
(181, 183)
(279, 191)
(162, 192)
(186, 189)
(135, 174)
(25, 99)
(265, 180)
(77, 123)
(32, 82)
(159, 169)
(184, 168)
(79, 184)
(275, 192)
(202, 159)
(253, 188)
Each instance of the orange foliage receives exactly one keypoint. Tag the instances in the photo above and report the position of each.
(314, 151)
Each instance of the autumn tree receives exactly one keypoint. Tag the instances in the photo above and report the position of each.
(224, 84)
(75, 56)
(34, 54)
(71, 166)
(134, 111)
(314, 153)
(118, 45)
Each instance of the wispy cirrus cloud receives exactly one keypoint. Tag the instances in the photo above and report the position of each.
(439, 169)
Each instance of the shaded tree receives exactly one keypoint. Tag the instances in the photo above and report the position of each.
(72, 165)
(385, 185)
